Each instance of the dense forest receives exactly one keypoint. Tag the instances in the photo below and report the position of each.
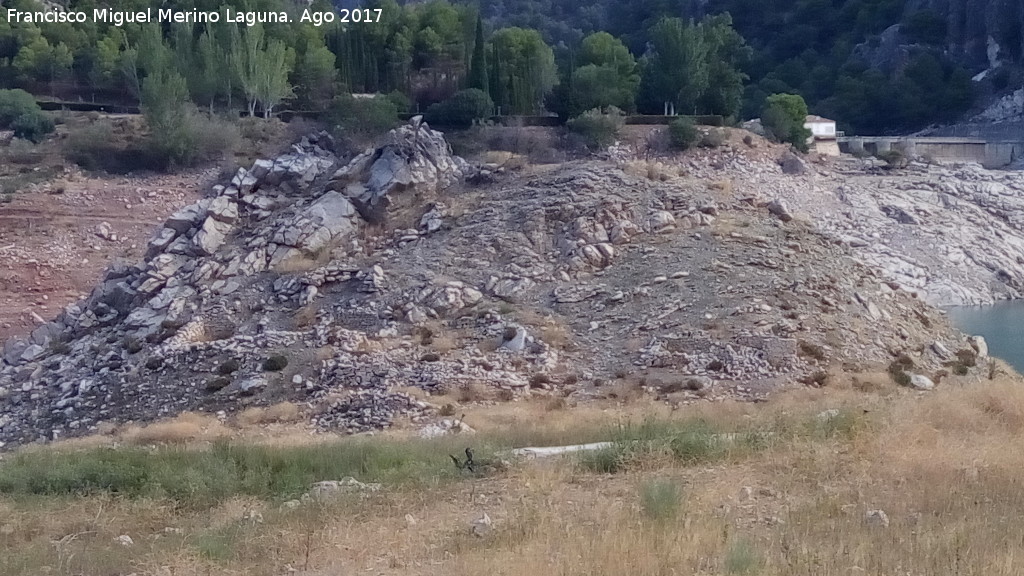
(527, 56)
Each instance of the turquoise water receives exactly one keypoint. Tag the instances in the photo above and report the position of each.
(1001, 324)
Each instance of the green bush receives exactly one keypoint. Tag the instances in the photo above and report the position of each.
(19, 112)
(15, 103)
(32, 126)
(363, 117)
(683, 134)
(461, 110)
(275, 363)
(402, 102)
(599, 128)
(195, 140)
(784, 116)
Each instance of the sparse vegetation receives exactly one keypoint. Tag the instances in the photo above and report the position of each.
(660, 500)
(812, 350)
(229, 366)
(893, 158)
(790, 483)
(275, 363)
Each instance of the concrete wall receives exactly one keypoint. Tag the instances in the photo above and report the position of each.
(943, 149)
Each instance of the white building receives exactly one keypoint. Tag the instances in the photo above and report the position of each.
(820, 127)
(823, 135)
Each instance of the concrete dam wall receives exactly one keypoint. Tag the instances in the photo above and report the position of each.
(990, 154)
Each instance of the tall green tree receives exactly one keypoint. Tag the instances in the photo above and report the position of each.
(675, 73)
(316, 75)
(478, 68)
(727, 54)
(528, 65)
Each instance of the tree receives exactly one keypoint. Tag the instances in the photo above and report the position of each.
(262, 69)
(784, 116)
(676, 72)
(246, 63)
(272, 85)
(727, 53)
(165, 107)
(478, 67)
(607, 76)
(207, 70)
(462, 109)
(315, 74)
(527, 69)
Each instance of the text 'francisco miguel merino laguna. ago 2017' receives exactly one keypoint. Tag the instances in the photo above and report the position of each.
(120, 17)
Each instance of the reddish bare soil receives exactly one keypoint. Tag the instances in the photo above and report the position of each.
(50, 252)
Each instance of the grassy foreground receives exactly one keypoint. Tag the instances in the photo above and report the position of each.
(784, 488)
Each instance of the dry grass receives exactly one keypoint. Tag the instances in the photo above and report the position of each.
(940, 465)
(283, 412)
(652, 170)
(186, 427)
(304, 317)
(552, 329)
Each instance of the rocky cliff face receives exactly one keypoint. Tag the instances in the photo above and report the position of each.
(983, 32)
(340, 287)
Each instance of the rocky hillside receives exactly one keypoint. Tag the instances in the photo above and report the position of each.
(951, 234)
(344, 286)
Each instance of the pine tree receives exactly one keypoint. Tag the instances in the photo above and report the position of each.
(478, 68)
(497, 82)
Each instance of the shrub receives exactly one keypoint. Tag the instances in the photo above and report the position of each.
(19, 112)
(196, 140)
(16, 103)
(32, 126)
(228, 367)
(896, 372)
(784, 116)
(893, 158)
(660, 499)
(363, 117)
(218, 383)
(598, 127)
(683, 133)
(275, 363)
(400, 100)
(462, 109)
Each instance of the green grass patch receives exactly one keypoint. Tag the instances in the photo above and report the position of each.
(204, 477)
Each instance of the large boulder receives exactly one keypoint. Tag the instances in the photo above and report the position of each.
(414, 156)
(187, 218)
(211, 236)
(331, 217)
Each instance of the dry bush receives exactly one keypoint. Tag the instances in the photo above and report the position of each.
(651, 170)
(471, 392)
(304, 317)
(552, 329)
(283, 412)
(185, 427)
(724, 186)
(298, 263)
